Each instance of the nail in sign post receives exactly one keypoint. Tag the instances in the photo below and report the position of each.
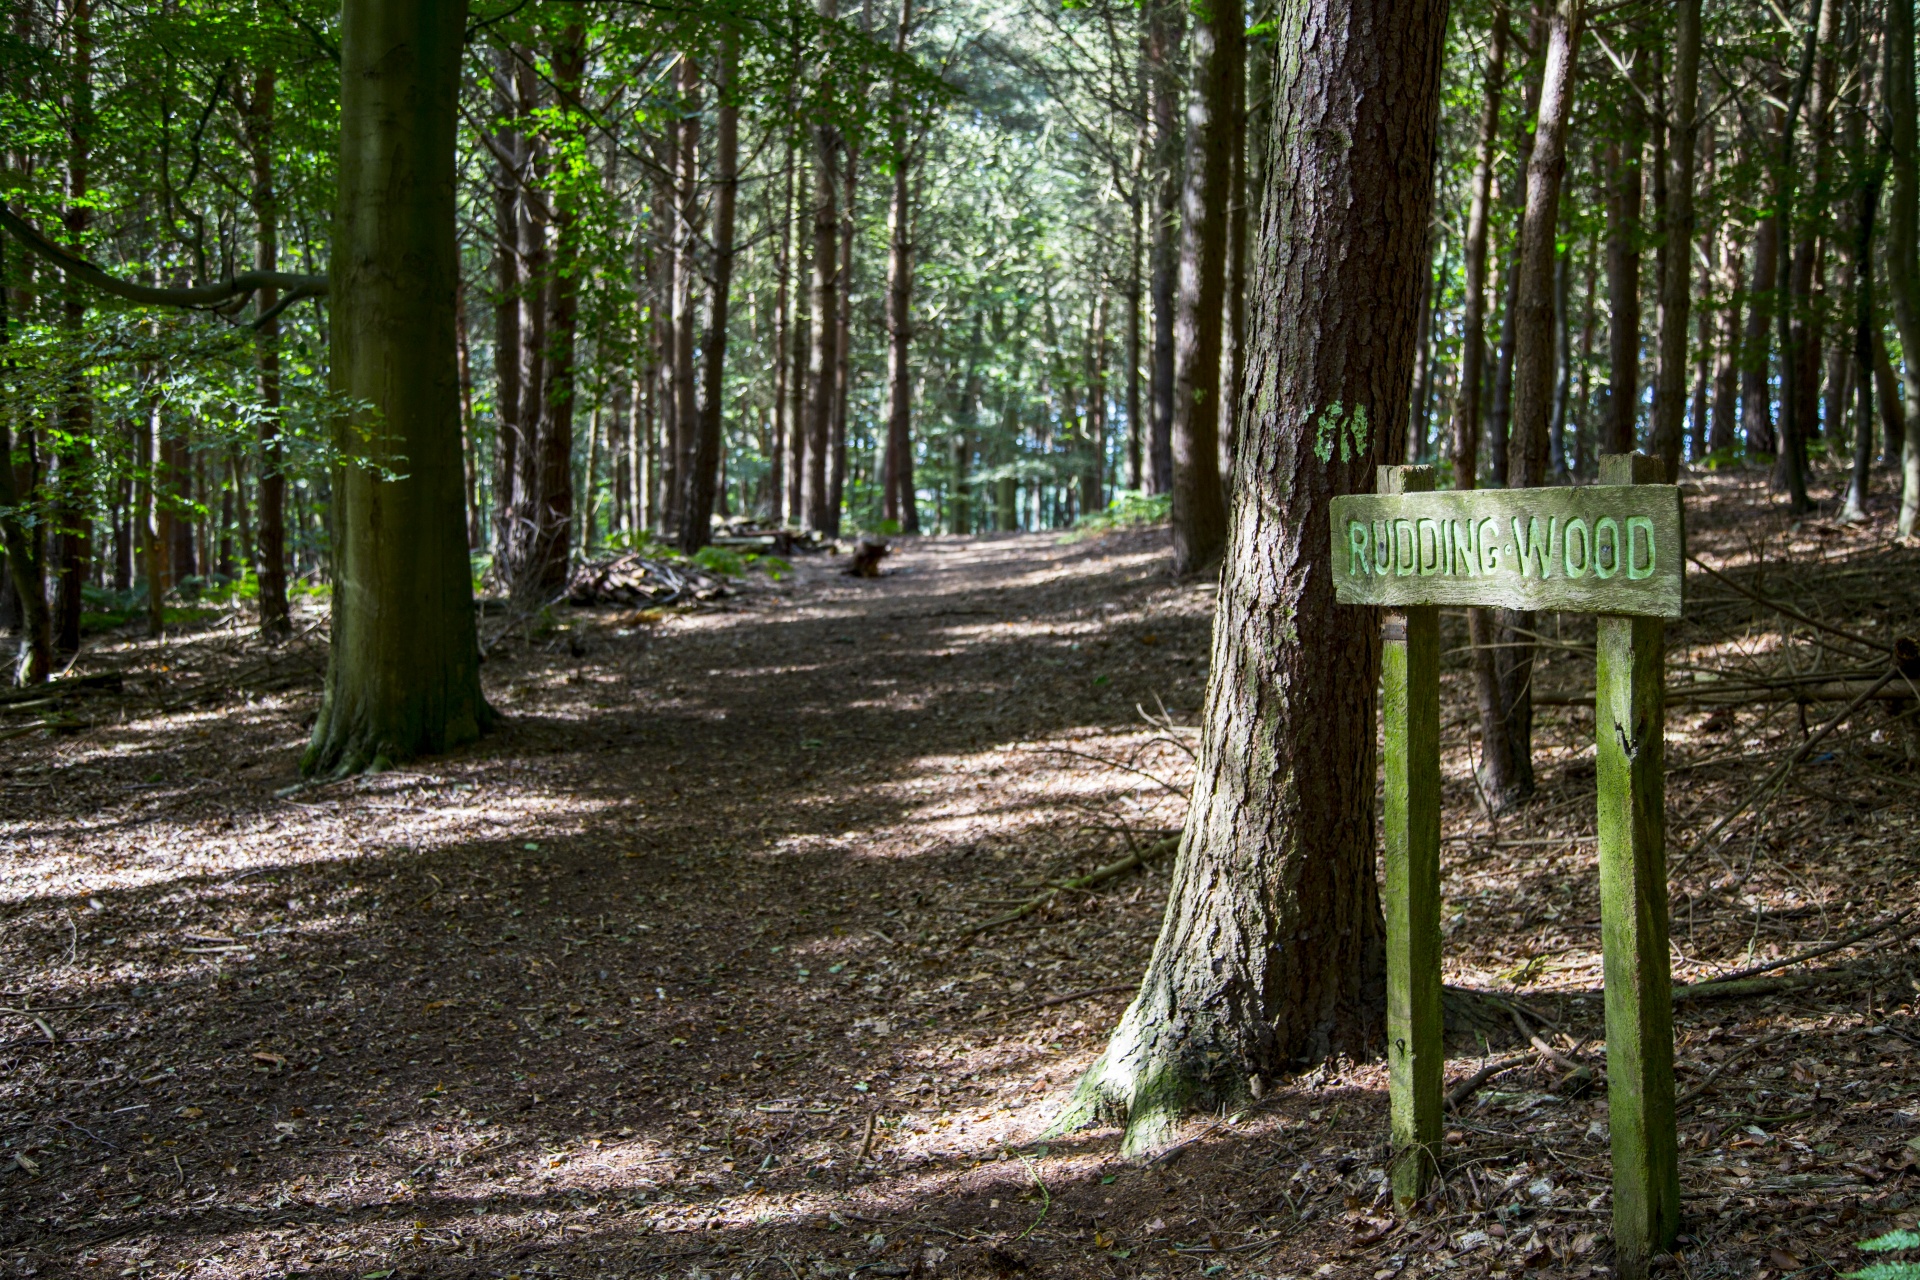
(1615, 549)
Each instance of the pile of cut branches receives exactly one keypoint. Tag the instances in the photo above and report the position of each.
(634, 579)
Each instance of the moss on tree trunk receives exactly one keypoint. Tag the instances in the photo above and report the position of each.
(1271, 954)
(403, 678)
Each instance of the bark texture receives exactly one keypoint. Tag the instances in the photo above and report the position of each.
(1676, 266)
(403, 671)
(1166, 21)
(1271, 953)
(703, 481)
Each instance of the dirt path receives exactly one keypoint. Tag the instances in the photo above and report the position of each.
(664, 977)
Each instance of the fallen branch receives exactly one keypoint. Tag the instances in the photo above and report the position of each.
(1780, 772)
(1158, 849)
(1742, 989)
(1795, 614)
(1471, 1085)
(1686, 1099)
(1858, 935)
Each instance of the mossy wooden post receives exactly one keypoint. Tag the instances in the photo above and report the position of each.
(1630, 718)
(1410, 724)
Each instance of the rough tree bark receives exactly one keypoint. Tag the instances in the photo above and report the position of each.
(676, 453)
(270, 569)
(1756, 391)
(1272, 949)
(34, 663)
(1623, 290)
(1199, 503)
(403, 672)
(704, 481)
(823, 357)
(842, 340)
(544, 574)
(73, 472)
(510, 159)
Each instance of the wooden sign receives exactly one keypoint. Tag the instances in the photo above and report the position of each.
(1616, 550)
(1596, 549)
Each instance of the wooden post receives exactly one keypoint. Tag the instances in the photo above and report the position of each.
(1630, 717)
(1410, 720)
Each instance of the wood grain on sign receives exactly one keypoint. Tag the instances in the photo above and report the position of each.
(1617, 549)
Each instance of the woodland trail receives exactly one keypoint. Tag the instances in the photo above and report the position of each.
(663, 977)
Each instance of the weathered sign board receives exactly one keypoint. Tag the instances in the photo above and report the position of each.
(1598, 549)
(1616, 549)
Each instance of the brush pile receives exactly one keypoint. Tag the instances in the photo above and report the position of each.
(633, 579)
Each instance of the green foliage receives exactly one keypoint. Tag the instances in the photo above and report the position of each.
(1892, 1241)
(721, 560)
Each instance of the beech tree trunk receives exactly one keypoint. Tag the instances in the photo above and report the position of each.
(1166, 22)
(1676, 280)
(1199, 503)
(704, 480)
(1272, 950)
(403, 673)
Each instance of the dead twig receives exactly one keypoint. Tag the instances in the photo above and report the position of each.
(1858, 935)
(1795, 614)
(1158, 849)
(1471, 1085)
(1686, 1099)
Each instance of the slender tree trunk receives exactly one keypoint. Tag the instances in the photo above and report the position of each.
(1166, 21)
(1676, 280)
(1093, 470)
(697, 527)
(1756, 391)
(34, 662)
(1239, 216)
(270, 569)
(403, 669)
(1473, 319)
(900, 505)
(1562, 365)
(675, 449)
(1793, 427)
(823, 356)
(1272, 949)
(780, 477)
(551, 493)
(73, 475)
(1136, 291)
(1724, 433)
(842, 344)
(508, 357)
(1866, 209)
(1199, 503)
(1903, 251)
(1623, 293)
(798, 391)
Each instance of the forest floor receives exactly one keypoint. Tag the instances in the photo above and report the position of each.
(670, 975)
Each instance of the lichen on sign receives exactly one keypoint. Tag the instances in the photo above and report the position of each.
(1617, 549)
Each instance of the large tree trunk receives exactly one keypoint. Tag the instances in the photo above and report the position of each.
(403, 674)
(271, 542)
(1676, 268)
(551, 493)
(1199, 505)
(1166, 21)
(703, 483)
(1903, 247)
(1272, 949)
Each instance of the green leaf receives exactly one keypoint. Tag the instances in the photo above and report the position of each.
(1891, 1240)
(1887, 1271)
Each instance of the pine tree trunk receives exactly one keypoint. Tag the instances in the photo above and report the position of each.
(1165, 28)
(1233, 376)
(1272, 950)
(800, 330)
(675, 451)
(509, 164)
(1676, 278)
(842, 344)
(73, 476)
(403, 672)
(1093, 469)
(697, 528)
(1724, 432)
(1199, 503)
(779, 477)
(1792, 470)
(34, 662)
